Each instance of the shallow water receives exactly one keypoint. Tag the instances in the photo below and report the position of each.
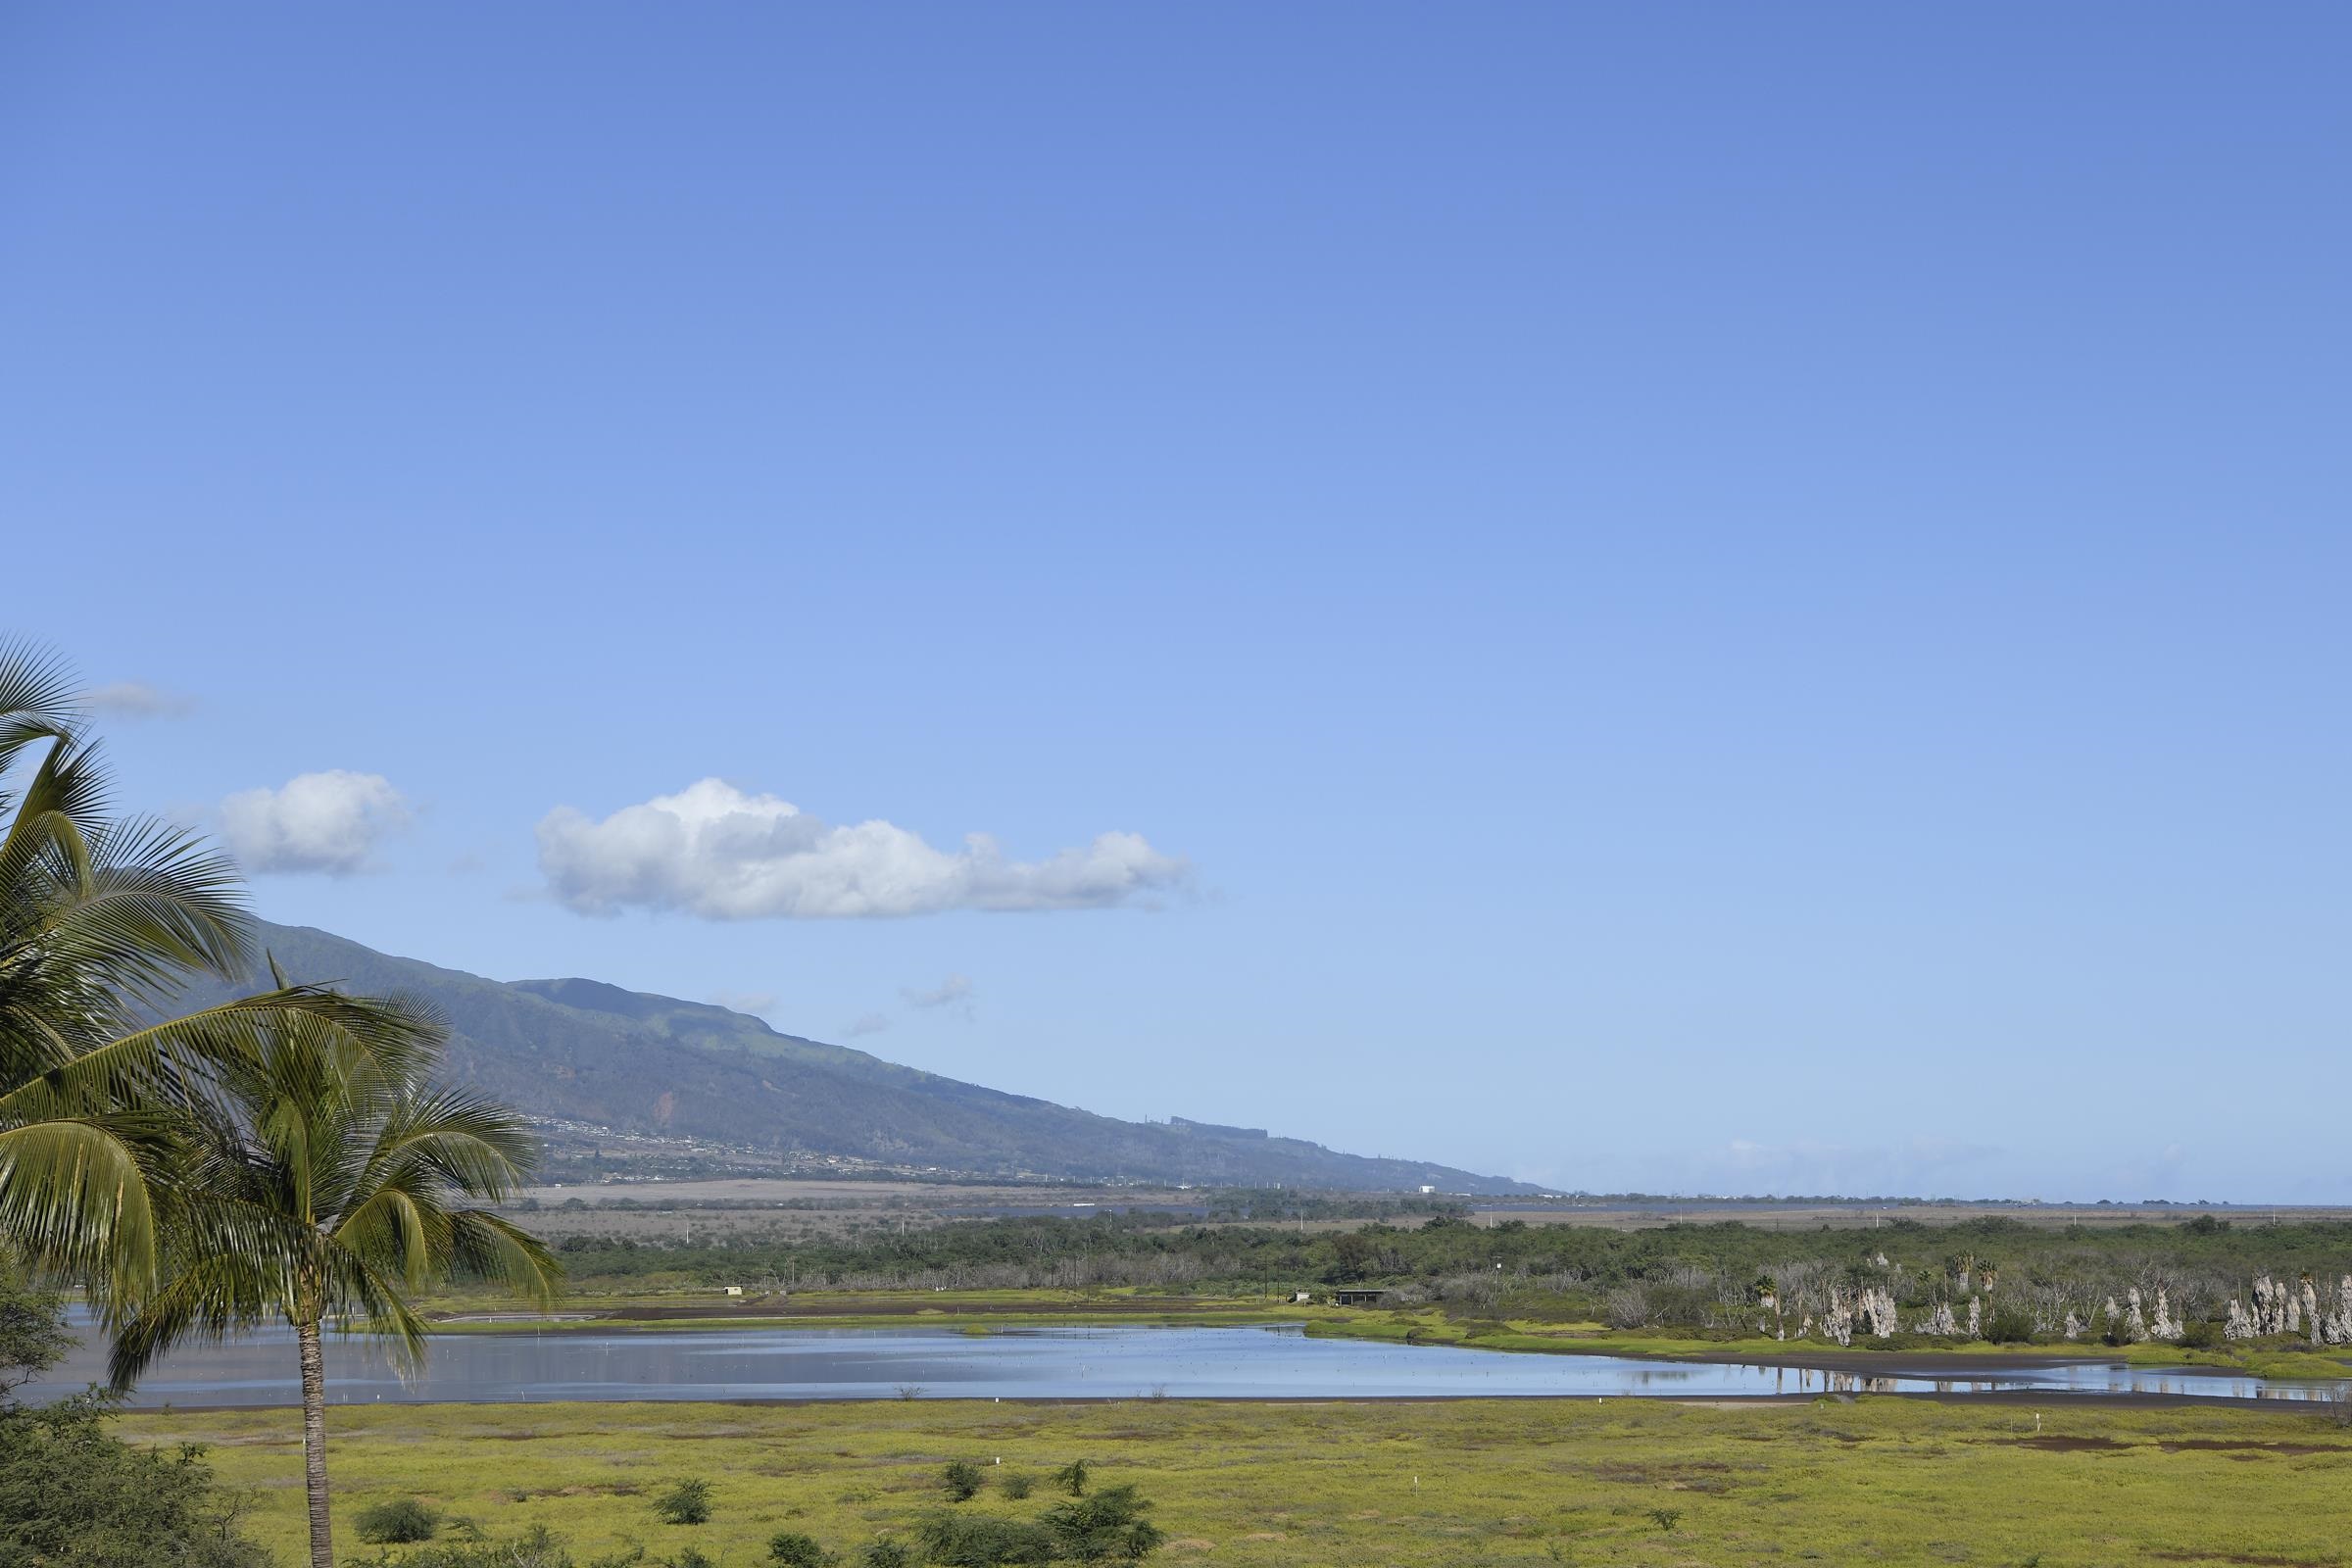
(1122, 1362)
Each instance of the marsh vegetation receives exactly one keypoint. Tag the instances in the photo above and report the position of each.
(1456, 1484)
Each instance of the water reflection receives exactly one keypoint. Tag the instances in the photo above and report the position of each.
(1124, 1362)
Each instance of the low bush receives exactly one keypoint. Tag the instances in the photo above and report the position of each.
(536, 1549)
(2009, 1325)
(791, 1550)
(74, 1496)
(885, 1553)
(978, 1541)
(686, 1503)
(1071, 1478)
(2204, 1334)
(1017, 1486)
(962, 1481)
(400, 1522)
(1108, 1525)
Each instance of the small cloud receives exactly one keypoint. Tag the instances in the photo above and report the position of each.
(756, 1003)
(331, 822)
(872, 1023)
(714, 850)
(136, 699)
(954, 988)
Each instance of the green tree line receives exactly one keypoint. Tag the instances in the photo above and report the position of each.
(1515, 1268)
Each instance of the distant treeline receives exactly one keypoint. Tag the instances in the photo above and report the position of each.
(1225, 1203)
(1689, 1276)
(1269, 1203)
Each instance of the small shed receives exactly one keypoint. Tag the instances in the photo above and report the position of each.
(1357, 1298)
(1301, 1297)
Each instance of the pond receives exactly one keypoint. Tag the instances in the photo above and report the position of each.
(1275, 1362)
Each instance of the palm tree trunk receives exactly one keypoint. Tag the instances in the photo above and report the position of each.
(314, 1441)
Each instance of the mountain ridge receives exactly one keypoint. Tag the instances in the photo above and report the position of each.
(587, 1051)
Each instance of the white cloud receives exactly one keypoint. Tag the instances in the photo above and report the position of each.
(712, 850)
(329, 821)
(136, 699)
(954, 988)
(872, 1023)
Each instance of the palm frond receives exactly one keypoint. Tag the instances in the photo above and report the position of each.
(37, 698)
(65, 798)
(359, 1290)
(400, 1227)
(175, 1053)
(204, 1302)
(476, 1145)
(74, 1196)
(156, 903)
(488, 1246)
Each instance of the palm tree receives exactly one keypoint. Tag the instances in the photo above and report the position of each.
(137, 1150)
(330, 1190)
(102, 919)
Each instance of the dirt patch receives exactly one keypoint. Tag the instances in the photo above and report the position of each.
(1700, 1476)
(2225, 1445)
(2058, 1444)
(610, 1489)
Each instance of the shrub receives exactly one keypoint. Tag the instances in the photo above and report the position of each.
(402, 1521)
(1110, 1524)
(885, 1553)
(790, 1548)
(1665, 1518)
(72, 1496)
(962, 1481)
(1626, 1308)
(2009, 1325)
(2202, 1334)
(535, 1550)
(690, 1557)
(686, 1503)
(1019, 1486)
(978, 1541)
(1071, 1478)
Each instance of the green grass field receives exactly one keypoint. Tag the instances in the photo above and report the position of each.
(1877, 1480)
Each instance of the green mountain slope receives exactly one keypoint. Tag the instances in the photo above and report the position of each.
(585, 1051)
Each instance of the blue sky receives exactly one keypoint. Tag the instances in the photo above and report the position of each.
(1689, 597)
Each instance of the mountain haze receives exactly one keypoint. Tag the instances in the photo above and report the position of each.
(586, 1051)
